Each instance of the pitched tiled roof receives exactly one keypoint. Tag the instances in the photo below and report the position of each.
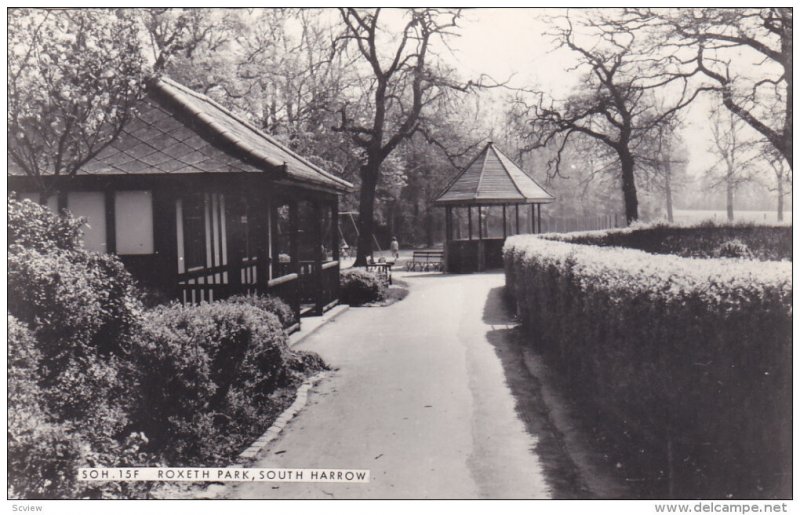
(180, 131)
(493, 178)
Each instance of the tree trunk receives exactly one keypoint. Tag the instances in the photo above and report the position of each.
(366, 212)
(780, 199)
(788, 73)
(429, 227)
(628, 186)
(729, 196)
(392, 215)
(668, 189)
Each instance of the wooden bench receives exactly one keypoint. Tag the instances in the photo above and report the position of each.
(426, 260)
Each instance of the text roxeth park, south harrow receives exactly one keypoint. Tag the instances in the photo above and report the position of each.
(224, 474)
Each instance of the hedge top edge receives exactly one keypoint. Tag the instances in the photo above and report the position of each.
(718, 282)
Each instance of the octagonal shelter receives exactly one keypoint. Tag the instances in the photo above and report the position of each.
(490, 199)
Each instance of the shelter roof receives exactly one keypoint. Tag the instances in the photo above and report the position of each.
(493, 178)
(180, 131)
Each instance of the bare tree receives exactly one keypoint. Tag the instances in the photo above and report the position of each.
(782, 175)
(734, 165)
(401, 83)
(746, 53)
(661, 154)
(615, 106)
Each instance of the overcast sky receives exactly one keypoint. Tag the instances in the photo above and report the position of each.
(512, 43)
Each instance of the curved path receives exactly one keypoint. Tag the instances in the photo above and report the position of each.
(420, 397)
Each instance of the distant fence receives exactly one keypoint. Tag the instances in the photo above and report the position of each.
(578, 223)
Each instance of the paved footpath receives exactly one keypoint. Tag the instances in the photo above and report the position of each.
(419, 397)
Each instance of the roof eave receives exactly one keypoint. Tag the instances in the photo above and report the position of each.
(267, 163)
(491, 202)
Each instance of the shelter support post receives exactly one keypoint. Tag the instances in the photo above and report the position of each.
(469, 221)
(448, 223)
(531, 217)
(516, 209)
(539, 209)
(505, 232)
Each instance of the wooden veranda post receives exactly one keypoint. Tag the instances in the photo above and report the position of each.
(294, 254)
(275, 250)
(111, 224)
(319, 303)
(335, 229)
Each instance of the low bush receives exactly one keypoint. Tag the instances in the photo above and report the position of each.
(690, 357)
(207, 373)
(270, 304)
(733, 249)
(357, 287)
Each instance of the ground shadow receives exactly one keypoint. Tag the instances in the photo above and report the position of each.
(570, 470)
(560, 471)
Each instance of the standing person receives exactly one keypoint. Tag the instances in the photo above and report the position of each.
(395, 248)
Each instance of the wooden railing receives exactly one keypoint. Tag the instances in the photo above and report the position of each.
(328, 293)
(314, 285)
(286, 288)
(220, 282)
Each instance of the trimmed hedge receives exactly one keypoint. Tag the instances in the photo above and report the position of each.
(357, 287)
(702, 240)
(689, 357)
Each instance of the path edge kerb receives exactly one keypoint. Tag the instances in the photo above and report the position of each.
(275, 429)
(296, 338)
(301, 399)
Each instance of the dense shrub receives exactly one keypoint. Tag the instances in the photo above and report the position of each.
(36, 449)
(80, 311)
(47, 442)
(36, 228)
(270, 304)
(94, 380)
(74, 300)
(207, 373)
(359, 287)
(691, 357)
(703, 240)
